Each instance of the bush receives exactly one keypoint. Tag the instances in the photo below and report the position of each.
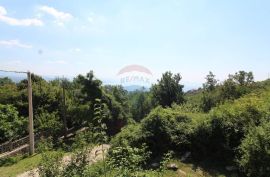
(128, 159)
(255, 152)
(201, 145)
(50, 164)
(45, 145)
(131, 134)
(231, 122)
(166, 129)
(77, 166)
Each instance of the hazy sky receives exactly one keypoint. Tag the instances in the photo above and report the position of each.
(68, 37)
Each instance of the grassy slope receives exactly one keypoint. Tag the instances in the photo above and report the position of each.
(21, 166)
(29, 163)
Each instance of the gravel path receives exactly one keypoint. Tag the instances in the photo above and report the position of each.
(93, 156)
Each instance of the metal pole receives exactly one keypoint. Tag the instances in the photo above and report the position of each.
(31, 126)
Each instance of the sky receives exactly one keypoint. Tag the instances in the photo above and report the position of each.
(190, 37)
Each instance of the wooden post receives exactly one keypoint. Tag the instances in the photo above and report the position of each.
(64, 110)
(31, 126)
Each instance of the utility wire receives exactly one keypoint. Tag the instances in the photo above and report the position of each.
(7, 71)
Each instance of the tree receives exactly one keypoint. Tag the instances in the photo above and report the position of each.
(243, 78)
(229, 90)
(140, 104)
(12, 125)
(211, 82)
(91, 86)
(5, 80)
(116, 100)
(209, 97)
(168, 90)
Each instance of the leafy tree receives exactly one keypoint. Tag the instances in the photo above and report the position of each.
(5, 80)
(229, 90)
(211, 82)
(243, 78)
(168, 90)
(12, 125)
(49, 123)
(140, 104)
(90, 86)
(209, 96)
(116, 100)
(9, 94)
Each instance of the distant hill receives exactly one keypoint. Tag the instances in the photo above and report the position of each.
(132, 88)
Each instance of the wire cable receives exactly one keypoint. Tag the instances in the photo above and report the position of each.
(7, 71)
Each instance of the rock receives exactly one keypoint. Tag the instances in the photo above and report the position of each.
(181, 173)
(172, 166)
(185, 156)
(231, 168)
(31, 173)
(155, 165)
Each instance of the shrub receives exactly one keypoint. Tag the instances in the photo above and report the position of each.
(45, 145)
(231, 122)
(255, 152)
(50, 164)
(128, 159)
(131, 134)
(166, 129)
(77, 166)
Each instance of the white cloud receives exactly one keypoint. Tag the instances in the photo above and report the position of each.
(14, 43)
(18, 22)
(2, 11)
(60, 17)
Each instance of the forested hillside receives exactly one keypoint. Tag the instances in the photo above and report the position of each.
(222, 128)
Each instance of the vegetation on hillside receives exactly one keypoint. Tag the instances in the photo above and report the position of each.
(226, 123)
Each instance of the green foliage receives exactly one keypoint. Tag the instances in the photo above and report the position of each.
(5, 81)
(90, 86)
(7, 161)
(255, 151)
(231, 121)
(82, 140)
(116, 103)
(77, 166)
(95, 170)
(201, 146)
(49, 123)
(166, 129)
(11, 124)
(131, 134)
(140, 104)
(50, 164)
(45, 145)
(99, 127)
(168, 90)
(211, 82)
(167, 157)
(127, 159)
